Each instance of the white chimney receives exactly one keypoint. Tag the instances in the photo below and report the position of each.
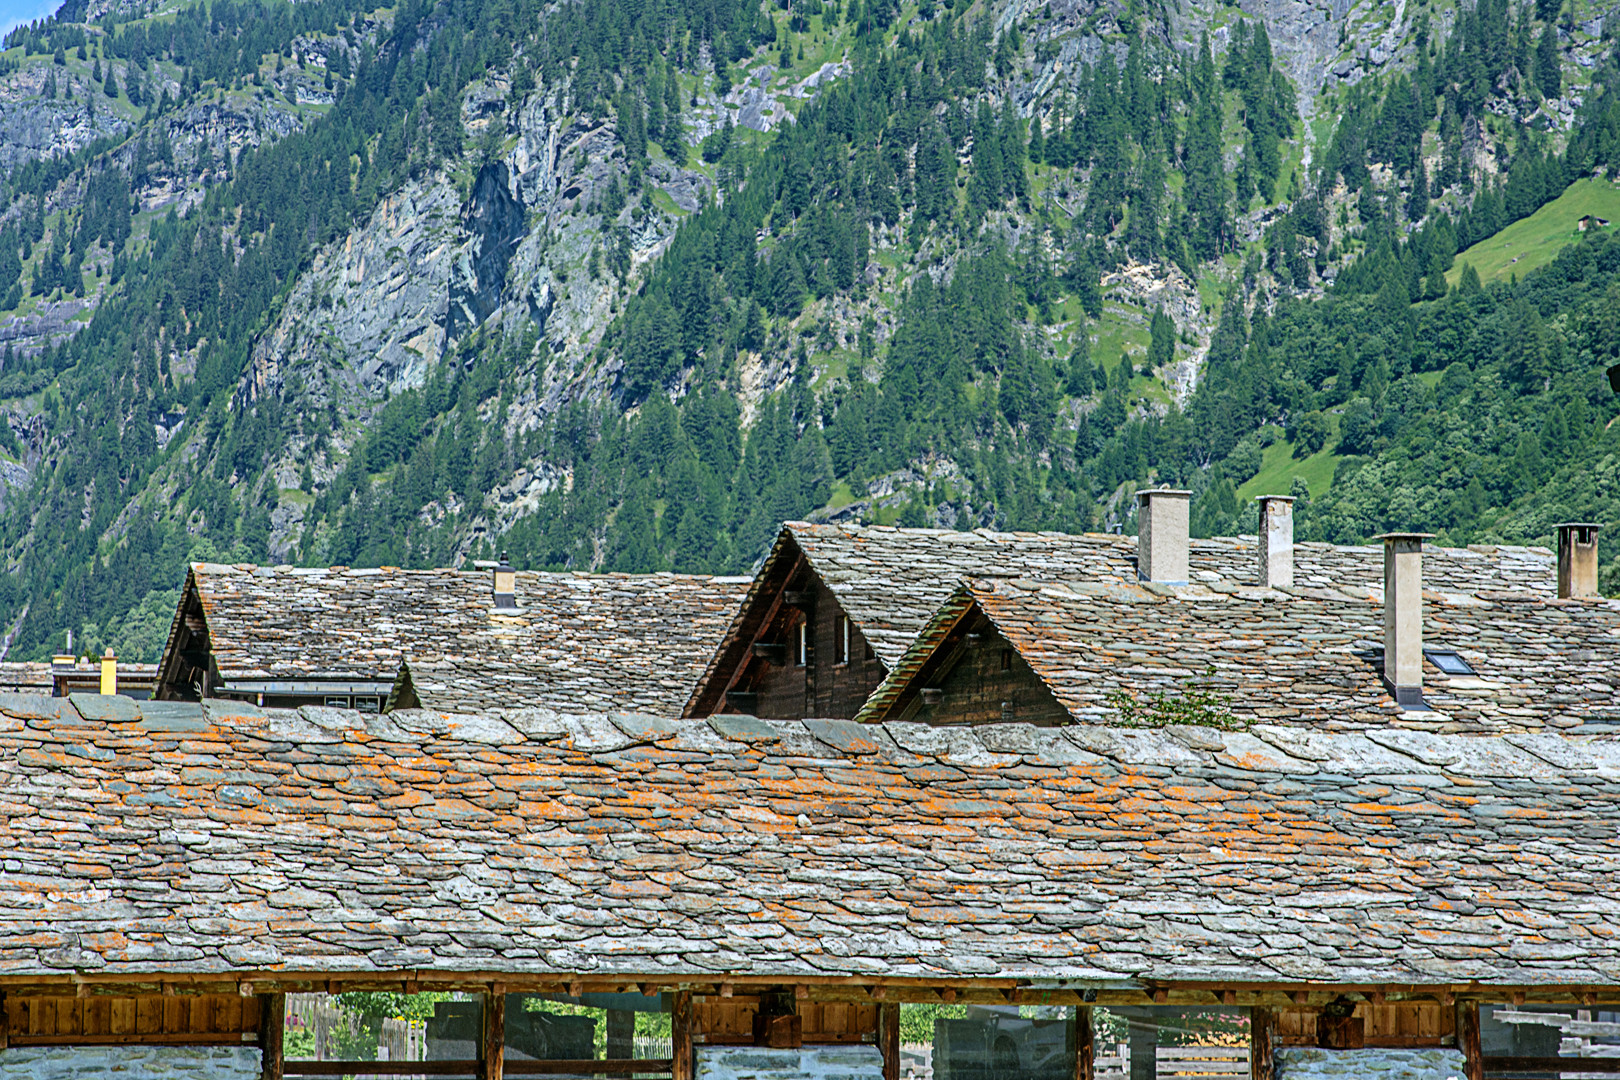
(505, 582)
(1161, 535)
(1403, 616)
(1577, 559)
(1276, 541)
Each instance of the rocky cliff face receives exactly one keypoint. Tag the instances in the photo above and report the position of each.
(494, 222)
(34, 125)
(509, 242)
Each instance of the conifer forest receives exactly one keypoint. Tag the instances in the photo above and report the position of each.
(624, 284)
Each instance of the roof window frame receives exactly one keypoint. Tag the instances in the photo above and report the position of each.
(1449, 661)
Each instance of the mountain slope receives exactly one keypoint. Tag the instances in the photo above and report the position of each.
(624, 287)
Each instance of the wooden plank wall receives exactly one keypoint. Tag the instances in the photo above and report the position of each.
(194, 1019)
(1396, 1023)
(991, 683)
(823, 688)
(730, 1021)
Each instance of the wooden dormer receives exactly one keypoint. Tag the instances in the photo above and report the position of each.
(792, 652)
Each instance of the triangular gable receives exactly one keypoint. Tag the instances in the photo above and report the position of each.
(761, 603)
(938, 653)
(403, 695)
(186, 644)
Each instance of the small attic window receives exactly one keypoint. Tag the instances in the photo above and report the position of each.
(841, 641)
(1448, 661)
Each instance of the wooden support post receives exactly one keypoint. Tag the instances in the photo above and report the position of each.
(272, 1035)
(494, 1046)
(1468, 1039)
(888, 1034)
(1262, 1061)
(1085, 1057)
(684, 1066)
(5, 1022)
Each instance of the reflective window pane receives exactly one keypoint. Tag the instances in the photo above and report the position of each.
(987, 1042)
(1147, 1042)
(382, 1027)
(590, 1027)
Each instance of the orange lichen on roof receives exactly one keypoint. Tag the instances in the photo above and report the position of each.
(532, 842)
(1310, 657)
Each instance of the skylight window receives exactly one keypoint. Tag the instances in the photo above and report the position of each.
(1448, 661)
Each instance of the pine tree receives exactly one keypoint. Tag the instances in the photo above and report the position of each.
(1011, 134)
(1080, 376)
(935, 174)
(987, 183)
(674, 137)
(1208, 211)
(1549, 77)
(1142, 228)
(1161, 340)
(1417, 205)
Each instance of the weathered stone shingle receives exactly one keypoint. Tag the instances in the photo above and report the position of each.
(1301, 656)
(584, 641)
(538, 842)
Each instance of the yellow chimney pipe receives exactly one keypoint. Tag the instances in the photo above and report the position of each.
(109, 672)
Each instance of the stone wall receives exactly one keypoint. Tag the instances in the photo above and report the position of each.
(808, 1063)
(129, 1063)
(1426, 1063)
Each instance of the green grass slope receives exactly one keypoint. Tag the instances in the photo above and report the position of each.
(1531, 242)
(1279, 467)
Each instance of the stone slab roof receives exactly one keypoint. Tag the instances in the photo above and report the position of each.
(1296, 657)
(18, 674)
(584, 641)
(164, 837)
(890, 581)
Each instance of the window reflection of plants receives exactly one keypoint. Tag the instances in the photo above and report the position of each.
(650, 1026)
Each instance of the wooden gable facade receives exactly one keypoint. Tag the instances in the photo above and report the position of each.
(793, 651)
(975, 675)
(187, 672)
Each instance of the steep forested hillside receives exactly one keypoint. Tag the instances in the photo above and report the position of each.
(625, 285)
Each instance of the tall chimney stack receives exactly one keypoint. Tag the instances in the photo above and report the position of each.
(1276, 541)
(109, 672)
(1577, 559)
(1161, 535)
(505, 579)
(1403, 616)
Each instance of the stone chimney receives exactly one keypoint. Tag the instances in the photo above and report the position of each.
(109, 672)
(1161, 535)
(1403, 616)
(505, 580)
(1577, 559)
(1276, 541)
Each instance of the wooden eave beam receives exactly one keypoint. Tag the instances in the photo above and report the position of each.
(746, 661)
(819, 988)
(949, 653)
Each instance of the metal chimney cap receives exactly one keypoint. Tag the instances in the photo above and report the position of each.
(1274, 498)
